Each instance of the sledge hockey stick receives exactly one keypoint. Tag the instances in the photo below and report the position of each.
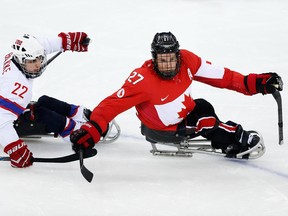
(277, 97)
(86, 41)
(87, 174)
(64, 159)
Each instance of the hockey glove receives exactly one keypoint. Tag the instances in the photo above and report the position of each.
(74, 41)
(29, 113)
(19, 154)
(265, 83)
(86, 136)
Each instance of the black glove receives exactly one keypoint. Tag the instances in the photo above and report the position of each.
(85, 137)
(265, 83)
(268, 83)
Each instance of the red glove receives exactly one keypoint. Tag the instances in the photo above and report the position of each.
(74, 41)
(20, 156)
(86, 136)
(265, 83)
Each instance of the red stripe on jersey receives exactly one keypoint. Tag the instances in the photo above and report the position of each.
(205, 123)
(228, 128)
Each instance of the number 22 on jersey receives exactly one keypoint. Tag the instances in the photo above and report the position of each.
(19, 90)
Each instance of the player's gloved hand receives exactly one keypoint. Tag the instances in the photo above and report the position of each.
(20, 155)
(74, 41)
(86, 136)
(265, 83)
(29, 112)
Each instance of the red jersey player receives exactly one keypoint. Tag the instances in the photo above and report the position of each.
(161, 92)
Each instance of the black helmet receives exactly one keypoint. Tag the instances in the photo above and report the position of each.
(165, 42)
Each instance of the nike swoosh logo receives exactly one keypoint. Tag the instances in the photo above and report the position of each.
(163, 99)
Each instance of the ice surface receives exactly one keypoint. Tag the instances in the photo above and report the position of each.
(245, 35)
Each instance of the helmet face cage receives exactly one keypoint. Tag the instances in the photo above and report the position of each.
(163, 43)
(27, 48)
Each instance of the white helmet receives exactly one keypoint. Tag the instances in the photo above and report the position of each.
(28, 47)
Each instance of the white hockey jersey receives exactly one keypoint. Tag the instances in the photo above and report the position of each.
(16, 91)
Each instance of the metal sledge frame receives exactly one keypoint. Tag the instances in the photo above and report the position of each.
(185, 148)
(188, 147)
(112, 134)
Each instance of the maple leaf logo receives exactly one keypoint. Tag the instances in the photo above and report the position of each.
(188, 105)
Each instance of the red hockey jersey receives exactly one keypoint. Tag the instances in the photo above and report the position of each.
(162, 104)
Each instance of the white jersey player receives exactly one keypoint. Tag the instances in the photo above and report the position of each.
(26, 61)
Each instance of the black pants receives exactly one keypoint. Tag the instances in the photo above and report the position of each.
(202, 121)
(47, 115)
(52, 113)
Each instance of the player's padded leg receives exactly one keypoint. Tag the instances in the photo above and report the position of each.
(53, 121)
(58, 106)
(202, 109)
(78, 113)
(229, 137)
(203, 118)
(39, 120)
(224, 135)
(56, 122)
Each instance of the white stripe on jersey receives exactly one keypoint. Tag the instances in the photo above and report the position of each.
(208, 71)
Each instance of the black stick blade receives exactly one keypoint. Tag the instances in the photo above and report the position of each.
(277, 97)
(87, 174)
